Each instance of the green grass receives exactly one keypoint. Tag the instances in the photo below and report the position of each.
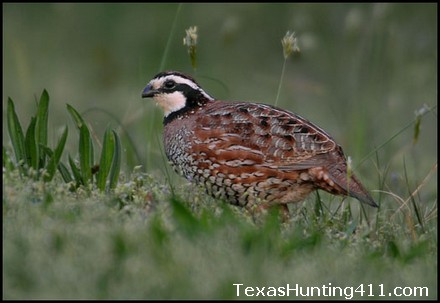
(366, 73)
(140, 242)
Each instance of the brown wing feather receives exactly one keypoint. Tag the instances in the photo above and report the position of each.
(285, 140)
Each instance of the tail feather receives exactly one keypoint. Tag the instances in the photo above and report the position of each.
(354, 188)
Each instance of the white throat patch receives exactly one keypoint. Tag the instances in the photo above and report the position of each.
(170, 102)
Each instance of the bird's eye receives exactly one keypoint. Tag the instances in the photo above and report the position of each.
(169, 84)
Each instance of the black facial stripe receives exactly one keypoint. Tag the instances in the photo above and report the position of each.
(187, 90)
(194, 98)
(192, 95)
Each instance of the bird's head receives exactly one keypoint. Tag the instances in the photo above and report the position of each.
(175, 92)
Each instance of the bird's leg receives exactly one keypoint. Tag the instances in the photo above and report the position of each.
(261, 211)
(283, 212)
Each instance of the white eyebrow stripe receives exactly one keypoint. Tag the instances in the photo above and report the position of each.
(159, 82)
(178, 79)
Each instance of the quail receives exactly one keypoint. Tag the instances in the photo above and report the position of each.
(248, 154)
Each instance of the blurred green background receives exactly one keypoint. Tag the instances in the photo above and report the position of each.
(363, 70)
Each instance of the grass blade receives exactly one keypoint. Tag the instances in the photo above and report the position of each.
(76, 173)
(41, 123)
(16, 135)
(46, 150)
(185, 219)
(85, 153)
(79, 121)
(31, 146)
(7, 162)
(420, 116)
(105, 163)
(170, 38)
(116, 163)
(56, 156)
(67, 177)
(413, 201)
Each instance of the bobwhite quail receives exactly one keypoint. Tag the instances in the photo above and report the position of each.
(247, 153)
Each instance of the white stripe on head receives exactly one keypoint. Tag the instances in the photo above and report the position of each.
(157, 83)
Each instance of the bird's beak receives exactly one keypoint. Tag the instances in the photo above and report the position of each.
(149, 92)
